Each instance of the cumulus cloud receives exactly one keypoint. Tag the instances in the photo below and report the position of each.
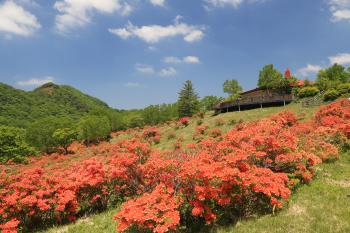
(77, 13)
(191, 59)
(154, 33)
(15, 20)
(341, 59)
(157, 2)
(144, 69)
(309, 69)
(36, 81)
(176, 60)
(340, 9)
(170, 71)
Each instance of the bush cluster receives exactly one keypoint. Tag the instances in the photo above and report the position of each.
(254, 167)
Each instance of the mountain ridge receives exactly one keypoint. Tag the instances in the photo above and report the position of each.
(19, 107)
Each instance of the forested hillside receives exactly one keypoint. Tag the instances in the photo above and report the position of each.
(19, 108)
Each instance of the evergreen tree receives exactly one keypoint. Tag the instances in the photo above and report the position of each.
(188, 103)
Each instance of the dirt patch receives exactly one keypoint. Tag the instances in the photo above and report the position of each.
(296, 210)
(342, 183)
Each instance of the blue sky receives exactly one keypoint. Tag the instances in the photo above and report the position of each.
(133, 53)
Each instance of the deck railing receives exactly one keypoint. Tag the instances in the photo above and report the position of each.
(273, 98)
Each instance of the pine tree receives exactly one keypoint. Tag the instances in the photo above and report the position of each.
(188, 103)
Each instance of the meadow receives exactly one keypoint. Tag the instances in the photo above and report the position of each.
(280, 169)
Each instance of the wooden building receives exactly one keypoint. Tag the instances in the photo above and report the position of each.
(256, 98)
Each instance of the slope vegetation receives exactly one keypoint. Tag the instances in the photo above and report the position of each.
(18, 108)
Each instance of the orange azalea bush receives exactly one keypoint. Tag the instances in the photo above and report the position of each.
(253, 167)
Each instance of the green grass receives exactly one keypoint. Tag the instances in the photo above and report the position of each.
(323, 206)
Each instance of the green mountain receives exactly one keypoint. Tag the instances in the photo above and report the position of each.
(19, 108)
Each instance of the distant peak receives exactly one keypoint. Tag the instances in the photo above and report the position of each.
(47, 88)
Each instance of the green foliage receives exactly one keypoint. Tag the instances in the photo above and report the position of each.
(13, 145)
(64, 137)
(19, 108)
(115, 119)
(331, 95)
(207, 103)
(188, 103)
(308, 91)
(93, 129)
(232, 87)
(332, 77)
(40, 132)
(270, 78)
(156, 114)
(344, 88)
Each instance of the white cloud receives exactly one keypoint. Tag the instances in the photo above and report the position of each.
(341, 59)
(176, 60)
(157, 2)
(149, 70)
(221, 3)
(233, 3)
(14, 19)
(144, 69)
(154, 33)
(170, 71)
(132, 85)
(36, 82)
(309, 69)
(340, 9)
(191, 59)
(77, 13)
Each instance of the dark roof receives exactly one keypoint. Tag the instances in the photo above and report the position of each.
(253, 90)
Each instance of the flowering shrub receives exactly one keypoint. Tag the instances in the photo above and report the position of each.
(253, 167)
(184, 121)
(151, 135)
(215, 133)
(157, 211)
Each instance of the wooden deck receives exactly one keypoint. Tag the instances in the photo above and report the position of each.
(251, 102)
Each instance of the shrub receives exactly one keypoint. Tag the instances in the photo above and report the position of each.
(232, 122)
(219, 122)
(252, 169)
(40, 133)
(308, 92)
(331, 95)
(151, 135)
(93, 129)
(184, 121)
(13, 146)
(344, 88)
(64, 137)
(215, 133)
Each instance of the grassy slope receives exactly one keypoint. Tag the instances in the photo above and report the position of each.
(323, 206)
